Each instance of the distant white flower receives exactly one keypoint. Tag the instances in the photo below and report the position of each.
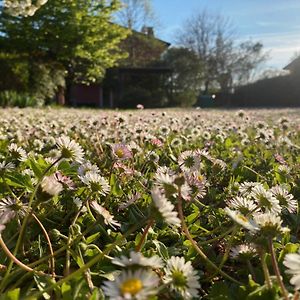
(140, 106)
(189, 161)
(269, 224)
(130, 200)
(138, 285)
(242, 204)
(137, 259)
(241, 219)
(285, 199)
(164, 178)
(165, 208)
(121, 152)
(197, 182)
(17, 152)
(243, 251)
(220, 164)
(182, 278)
(51, 185)
(9, 209)
(284, 170)
(176, 142)
(79, 204)
(87, 166)
(292, 262)
(186, 192)
(108, 218)
(70, 149)
(265, 199)
(4, 166)
(246, 187)
(96, 182)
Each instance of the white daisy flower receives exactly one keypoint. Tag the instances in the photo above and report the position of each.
(87, 166)
(182, 277)
(138, 285)
(4, 166)
(137, 259)
(79, 204)
(284, 170)
(131, 199)
(186, 192)
(292, 262)
(265, 199)
(10, 208)
(285, 199)
(243, 251)
(241, 219)
(121, 152)
(51, 185)
(17, 152)
(96, 182)
(108, 218)
(70, 149)
(242, 204)
(198, 183)
(164, 178)
(269, 224)
(189, 161)
(165, 208)
(245, 188)
(176, 142)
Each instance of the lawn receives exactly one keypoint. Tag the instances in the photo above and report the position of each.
(149, 204)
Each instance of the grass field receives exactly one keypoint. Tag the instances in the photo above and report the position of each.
(149, 204)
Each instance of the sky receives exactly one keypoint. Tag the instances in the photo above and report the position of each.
(274, 23)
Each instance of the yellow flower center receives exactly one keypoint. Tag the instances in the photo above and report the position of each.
(131, 286)
(119, 153)
(200, 177)
(243, 218)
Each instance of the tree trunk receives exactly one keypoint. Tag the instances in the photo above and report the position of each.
(61, 100)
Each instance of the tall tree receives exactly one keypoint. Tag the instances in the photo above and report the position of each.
(75, 36)
(224, 61)
(23, 8)
(135, 14)
(184, 85)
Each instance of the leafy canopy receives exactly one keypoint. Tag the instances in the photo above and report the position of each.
(76, 34)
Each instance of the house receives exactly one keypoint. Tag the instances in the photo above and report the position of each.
(293, 66)
(138, 78)
(279, 91)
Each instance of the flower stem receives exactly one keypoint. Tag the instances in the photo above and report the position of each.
(265, 269)
(276, 270)
(141, 242)
(22, 230)
(251, 269)
(88, 265)
(15, 260)
(196, 247)
(52, 260)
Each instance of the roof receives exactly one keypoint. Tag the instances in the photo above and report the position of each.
(293, 65)
(143, 70)
(152, 36)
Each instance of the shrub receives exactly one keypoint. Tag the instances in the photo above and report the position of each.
(13, 98)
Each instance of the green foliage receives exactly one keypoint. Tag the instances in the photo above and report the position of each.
(13, 98)
(72, 40)
(92, 205)
(185, 84)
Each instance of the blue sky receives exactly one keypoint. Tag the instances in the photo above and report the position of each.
(275, 23)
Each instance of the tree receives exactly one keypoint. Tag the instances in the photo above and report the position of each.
(185, 84)
(75, 36)
(224, 61)
(23, 8)
(135, 14)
